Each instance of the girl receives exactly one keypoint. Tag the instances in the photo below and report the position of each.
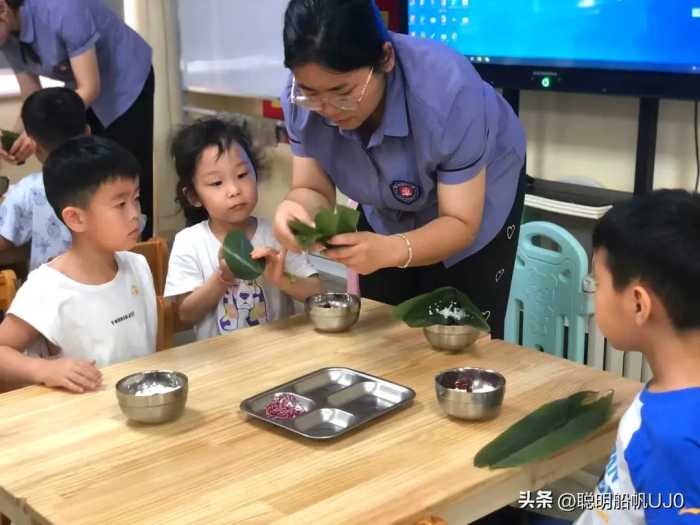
(217, 188)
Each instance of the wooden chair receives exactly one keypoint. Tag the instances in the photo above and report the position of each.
(155, 251)
(8, 289)
(169, 324)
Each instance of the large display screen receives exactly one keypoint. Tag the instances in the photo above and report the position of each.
(660, 36)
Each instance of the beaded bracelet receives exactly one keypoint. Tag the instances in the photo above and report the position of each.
(410, 250)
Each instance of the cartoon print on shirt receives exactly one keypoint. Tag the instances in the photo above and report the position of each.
(244, 306)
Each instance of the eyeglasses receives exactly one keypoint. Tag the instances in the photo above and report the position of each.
(316, 102)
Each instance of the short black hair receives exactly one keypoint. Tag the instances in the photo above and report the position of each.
(77, 168)
(342, 35)
(187, 147)
(656, 238)
(53, 115)
(14, 4)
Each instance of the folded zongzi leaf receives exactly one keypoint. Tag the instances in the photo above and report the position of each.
(444, 306)
(549, 429)
(8, 139)
(328, 224)
(237, 251)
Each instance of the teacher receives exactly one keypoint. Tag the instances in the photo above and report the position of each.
(408, 129)
(86, 45)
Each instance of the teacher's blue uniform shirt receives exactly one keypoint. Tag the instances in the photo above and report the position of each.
(442, 124)
(59, 30)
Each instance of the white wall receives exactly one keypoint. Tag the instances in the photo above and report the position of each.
(596, 136)
(232, 47)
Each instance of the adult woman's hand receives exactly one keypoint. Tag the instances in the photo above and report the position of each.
(23, 148)
(367, 252)
(286, 212)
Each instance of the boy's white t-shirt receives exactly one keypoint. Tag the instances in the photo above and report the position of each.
(107, 323)
(194, 259)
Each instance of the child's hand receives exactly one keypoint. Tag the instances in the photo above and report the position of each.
(274, 263)
(226, 273)
(74, 375)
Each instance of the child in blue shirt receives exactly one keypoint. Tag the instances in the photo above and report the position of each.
(647, 269)
(50, 116)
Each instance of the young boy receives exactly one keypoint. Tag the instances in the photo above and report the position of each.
(95, 304)
(50, 116)
(647, 268)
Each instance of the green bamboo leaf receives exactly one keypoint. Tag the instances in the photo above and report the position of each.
(8, 139)
(347, 219)
(305, 235)
(237, 256)
(328, 224)
(444, 306)
(549, 429)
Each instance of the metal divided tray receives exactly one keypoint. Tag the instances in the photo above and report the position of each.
(333, 401)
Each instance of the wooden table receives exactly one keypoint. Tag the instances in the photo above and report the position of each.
(74, 458)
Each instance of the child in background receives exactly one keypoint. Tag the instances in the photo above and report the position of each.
(217, 188)
(647, 268)
(50, 116)
(94, 305)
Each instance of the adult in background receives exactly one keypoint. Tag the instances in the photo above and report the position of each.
(86, 45)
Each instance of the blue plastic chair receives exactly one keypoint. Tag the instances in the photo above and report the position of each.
(548, 292)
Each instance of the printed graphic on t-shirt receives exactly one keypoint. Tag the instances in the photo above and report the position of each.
(244, 306)
(123, 318)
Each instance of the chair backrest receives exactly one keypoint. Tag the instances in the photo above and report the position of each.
(547, 297)
(169, 323)
(8, 288)
(155, 251)
(166, 324)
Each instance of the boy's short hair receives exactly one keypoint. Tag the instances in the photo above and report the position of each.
(53, 115)
(187, 147)
(76, 169)
(656, 238)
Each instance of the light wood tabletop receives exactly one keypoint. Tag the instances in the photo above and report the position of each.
(75, 459)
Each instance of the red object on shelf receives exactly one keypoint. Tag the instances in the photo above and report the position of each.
(272, 109)
(391, 11)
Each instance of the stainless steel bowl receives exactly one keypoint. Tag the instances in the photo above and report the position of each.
(333, 312)
(451, 337)
(155, 396)
(470, 393)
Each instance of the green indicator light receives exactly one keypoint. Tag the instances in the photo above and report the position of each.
(546, 82)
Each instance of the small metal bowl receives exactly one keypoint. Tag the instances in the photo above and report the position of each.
(451, 337)
(470, 393)
(333, 312)
(155, 396)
